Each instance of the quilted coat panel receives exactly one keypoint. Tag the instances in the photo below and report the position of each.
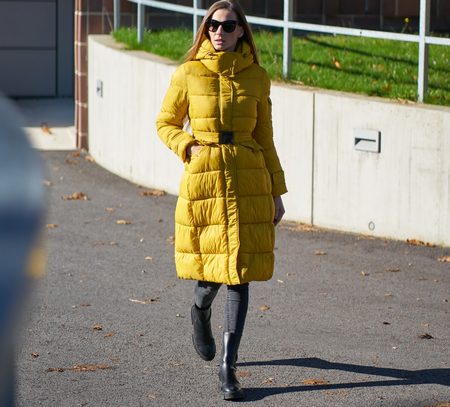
(224, 228)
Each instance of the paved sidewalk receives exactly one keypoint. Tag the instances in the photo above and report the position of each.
(49, 123)
(344, 321)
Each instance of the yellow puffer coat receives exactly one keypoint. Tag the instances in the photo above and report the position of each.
(224, 228)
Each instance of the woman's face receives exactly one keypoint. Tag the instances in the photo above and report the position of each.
(220, 39)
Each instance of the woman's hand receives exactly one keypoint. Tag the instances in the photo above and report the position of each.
(279, 210)
(193, 149)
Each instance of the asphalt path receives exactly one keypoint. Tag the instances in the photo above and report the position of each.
(347, 320)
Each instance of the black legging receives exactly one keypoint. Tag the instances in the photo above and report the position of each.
(236, 303)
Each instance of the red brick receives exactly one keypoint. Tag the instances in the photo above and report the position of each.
(82, 141)
(408, 8)
(444, 11)
(389, 8)
(95, 24)
(108, 6)
(373, 7)
(82, 118)
(351, 7)
(245, 4)
(78, 5)
(108, 22)
(331, 7)
(371, 22)
(81, 88)
(80, 57)
(307, 7)
(127, 6)
(128, 20)
(81, 27)
(95, 6)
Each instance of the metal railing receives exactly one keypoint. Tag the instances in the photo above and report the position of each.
(423, 38)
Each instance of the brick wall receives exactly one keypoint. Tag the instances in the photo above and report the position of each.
(370, 14)
(91, 17)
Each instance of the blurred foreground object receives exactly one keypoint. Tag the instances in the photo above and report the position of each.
(22, 207)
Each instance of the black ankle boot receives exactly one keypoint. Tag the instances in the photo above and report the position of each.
(229, 383)
(202, 337)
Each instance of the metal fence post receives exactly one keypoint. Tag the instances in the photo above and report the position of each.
(196, 17)
(116, 15)
(140, 21)
(287, 39)
(424, 30)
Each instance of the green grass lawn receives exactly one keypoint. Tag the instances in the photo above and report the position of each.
(352, 64)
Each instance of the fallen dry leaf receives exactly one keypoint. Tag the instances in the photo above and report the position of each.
(51, 225)
(365, 273)
(97, 327)
(110, 209)
(146, 301)
(45, 128)
(152, 192)
(244, 373)
(109, 335)
(392, 270)
(320, 253)
(123, 222)
(425, 336)
(415, 242)
(76, 196)
(55, 369)
(444, 259)
(336, 63)
(90, 368)
(315, 382)
(151, 397)
(269, 380)
(35, 354)
(298, 227)
(176, 364)
(149, 258)
(83, 305)
(171, 239)
(98, 243)
(89, 158)
(69, 161)
(264, 308)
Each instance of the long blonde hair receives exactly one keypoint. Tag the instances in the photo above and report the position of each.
(202, 30)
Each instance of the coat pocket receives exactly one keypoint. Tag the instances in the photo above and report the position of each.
(198, 161)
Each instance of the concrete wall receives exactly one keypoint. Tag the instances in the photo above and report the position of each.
(402, 192)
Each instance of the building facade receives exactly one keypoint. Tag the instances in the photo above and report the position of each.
(36, 48)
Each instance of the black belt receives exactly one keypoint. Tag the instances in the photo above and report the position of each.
(226, 137)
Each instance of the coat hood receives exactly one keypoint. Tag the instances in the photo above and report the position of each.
(225, 63)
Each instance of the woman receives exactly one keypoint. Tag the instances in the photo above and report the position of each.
(229, 199)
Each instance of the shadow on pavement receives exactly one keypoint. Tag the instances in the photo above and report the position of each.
(402, 377)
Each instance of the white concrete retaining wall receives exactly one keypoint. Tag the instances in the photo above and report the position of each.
(402, 192)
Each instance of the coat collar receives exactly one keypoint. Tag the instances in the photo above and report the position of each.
(225, 63)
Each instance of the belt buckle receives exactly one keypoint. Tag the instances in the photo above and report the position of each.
(226, 137)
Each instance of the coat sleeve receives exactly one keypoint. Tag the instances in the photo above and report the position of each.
(169, 123)
(263, 135)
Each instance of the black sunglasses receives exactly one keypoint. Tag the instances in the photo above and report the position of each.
(228, 26)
